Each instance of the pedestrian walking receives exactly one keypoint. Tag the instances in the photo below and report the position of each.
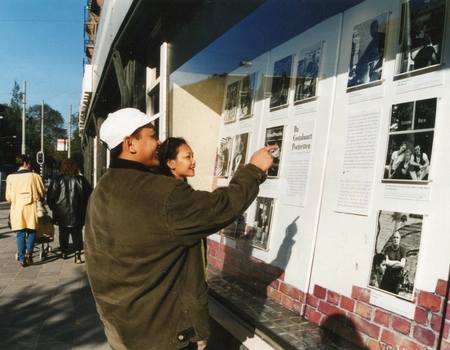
(67, 197)
(23, 190)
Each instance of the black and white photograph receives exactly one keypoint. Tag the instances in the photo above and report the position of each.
(421, 34)
(223, 157)
(231, 103)
(307, 72)
(260, 233)
(281, 80)
(396, 253)
(240, 146)
(367, 55)
(274, 136)
(246, 96)
(410, 144)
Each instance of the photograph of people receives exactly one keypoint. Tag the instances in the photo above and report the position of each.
(411, 134)
(421, 34)
(239, 152)
(367, 55)
(274, 136)
(420, 164)
(261, 224)
(223, 156)
(307, 72)
(231, 103)
(404, 169)
(395, 263)
(246, 96)
(396, 158)
(280, 82)
(396, 253)
(378, 270)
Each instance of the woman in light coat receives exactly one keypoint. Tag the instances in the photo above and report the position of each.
(23, 189)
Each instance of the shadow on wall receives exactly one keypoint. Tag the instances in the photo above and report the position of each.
(250, 288)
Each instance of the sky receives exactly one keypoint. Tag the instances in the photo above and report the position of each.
(42, 43)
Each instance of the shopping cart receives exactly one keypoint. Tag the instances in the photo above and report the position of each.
(45, 234)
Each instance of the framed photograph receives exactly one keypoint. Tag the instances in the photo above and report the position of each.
(239, 156)
(261, 226)
(281, 80)
(274, 136)
(231, 103)
(421, 35)
(410, 144)
(367, 55)
(307, 72)
(223, 157)
(396, 253)
(247, 96)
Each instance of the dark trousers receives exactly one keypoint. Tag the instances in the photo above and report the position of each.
(77, 238)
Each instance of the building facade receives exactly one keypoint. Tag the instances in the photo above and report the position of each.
(354, 93)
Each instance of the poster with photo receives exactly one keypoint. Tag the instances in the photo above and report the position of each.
(246, 96)
(223, 157)
(368, 47)
(260, 232)
(421, 34)
(240, 146)
(274, 136)
(307, 72)
(280, 82)
(396, 253)
(410, 146)
(231, 103)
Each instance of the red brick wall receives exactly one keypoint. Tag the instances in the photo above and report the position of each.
(353, 318)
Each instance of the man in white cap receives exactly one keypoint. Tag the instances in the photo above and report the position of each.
(143, 239)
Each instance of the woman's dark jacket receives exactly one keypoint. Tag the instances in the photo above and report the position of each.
(67, 197)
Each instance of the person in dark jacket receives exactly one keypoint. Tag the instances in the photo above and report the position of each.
(67, 197)
(143, 239)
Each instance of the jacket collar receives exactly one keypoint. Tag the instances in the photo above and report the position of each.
(21, 171)
(119, 163)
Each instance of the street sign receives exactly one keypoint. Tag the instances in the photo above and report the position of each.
(40, 157)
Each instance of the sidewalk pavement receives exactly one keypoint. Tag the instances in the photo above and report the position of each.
(48, 305)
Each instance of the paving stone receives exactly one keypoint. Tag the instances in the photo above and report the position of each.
(273, 319)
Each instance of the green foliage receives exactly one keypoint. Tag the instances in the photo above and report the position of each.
(11, 129)
(76, 151)
(54, 128)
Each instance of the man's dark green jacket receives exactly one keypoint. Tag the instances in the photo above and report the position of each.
(143, 252)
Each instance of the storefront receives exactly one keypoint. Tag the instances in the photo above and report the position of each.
(354, 93)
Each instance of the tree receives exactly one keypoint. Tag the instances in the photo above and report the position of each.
(11, 129)
(53, 130)
(76, 151)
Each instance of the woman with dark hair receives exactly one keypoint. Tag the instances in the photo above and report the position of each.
(378, 270)
(67, 197)
(176, 159)
(23, 189)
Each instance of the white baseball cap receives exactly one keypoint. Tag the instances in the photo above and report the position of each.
(123, 123)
